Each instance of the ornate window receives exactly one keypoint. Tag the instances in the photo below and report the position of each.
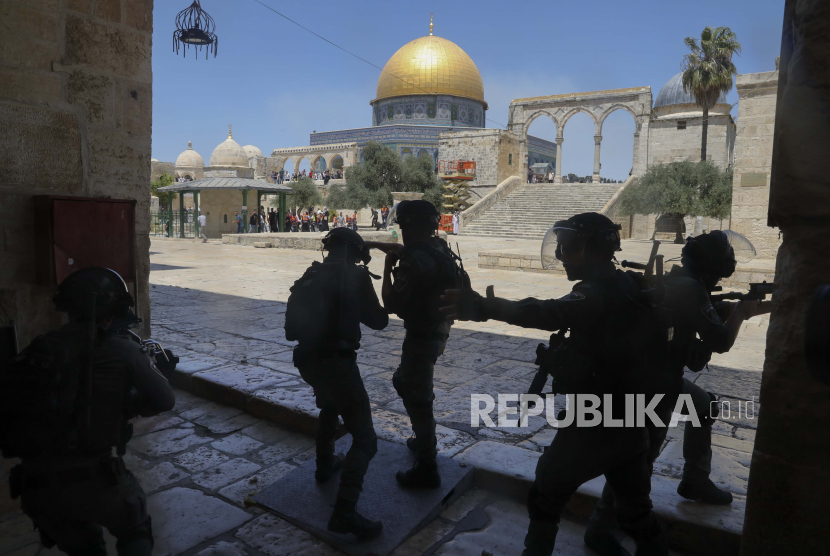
(510, 159)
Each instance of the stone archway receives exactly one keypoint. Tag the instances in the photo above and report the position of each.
(598, 105)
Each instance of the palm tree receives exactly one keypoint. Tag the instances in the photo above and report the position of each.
(708, 70)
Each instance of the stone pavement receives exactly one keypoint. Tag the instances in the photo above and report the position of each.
(200, 463)
(221, 308)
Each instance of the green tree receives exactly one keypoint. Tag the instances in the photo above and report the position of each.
(708, 70)
(305, 194)
(680, 189)
(383, 171)
(164, 196)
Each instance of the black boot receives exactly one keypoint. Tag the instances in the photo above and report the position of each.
(345, 519)
(421, 475)
(540, 538)
(327, 467)
(704, 492)
(604, 543)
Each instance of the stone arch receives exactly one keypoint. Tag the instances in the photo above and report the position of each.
(337, 162)
(572, 113)
(530, 119)
(613, 108)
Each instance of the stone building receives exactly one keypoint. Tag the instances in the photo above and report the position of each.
(753, 159)
(430, 86)
(676, 126)
(76, 116)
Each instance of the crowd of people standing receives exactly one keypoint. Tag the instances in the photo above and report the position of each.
(321, 175)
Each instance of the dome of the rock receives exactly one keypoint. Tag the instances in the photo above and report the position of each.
(430, 65)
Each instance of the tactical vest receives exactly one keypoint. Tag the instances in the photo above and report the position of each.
(43, 405)
(624, 352)
(420, 314)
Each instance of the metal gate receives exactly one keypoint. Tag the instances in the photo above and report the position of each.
(159, 225)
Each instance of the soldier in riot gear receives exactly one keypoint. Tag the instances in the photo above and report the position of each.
(426, 267)
(705, 260)
(69, 482)
(598, 357)
(325, 310)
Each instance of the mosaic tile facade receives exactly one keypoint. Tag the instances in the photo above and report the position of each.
(429, 110)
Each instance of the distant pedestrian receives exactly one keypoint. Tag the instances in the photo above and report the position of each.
(239, 228)
(202, 225)
(455, 223)
(384, 214)
(252, 223)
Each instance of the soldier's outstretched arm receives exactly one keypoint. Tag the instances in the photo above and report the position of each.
(579, 308)
(372, 313)
(155, 393)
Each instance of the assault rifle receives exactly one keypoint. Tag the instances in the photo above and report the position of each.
(163, 358)
(758, 291)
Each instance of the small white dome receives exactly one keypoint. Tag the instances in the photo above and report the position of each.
(154, 160)
(252, 151)
(229, 153)
(190, 158)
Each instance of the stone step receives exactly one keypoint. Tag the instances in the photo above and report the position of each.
(533, 208)
(693, 529)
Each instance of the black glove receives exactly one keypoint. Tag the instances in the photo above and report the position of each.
(472, 306)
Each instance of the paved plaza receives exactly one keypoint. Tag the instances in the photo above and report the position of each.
(221, 309)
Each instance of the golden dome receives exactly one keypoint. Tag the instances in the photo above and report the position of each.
(430, 65)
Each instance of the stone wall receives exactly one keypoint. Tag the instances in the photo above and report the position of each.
(753, 158)
(667, 143)
(158, 168)
(490, 149)
(75, 109)
(789, 479)
(222, 204)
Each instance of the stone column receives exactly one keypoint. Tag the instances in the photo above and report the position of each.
(182, 217)
(636, 156)
(244, 211)
(557, 178)
(597, 141)
(789, 479)
(196, 213)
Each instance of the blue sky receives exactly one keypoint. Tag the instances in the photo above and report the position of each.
(276, 83)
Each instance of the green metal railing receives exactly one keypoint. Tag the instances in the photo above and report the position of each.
(159, 228)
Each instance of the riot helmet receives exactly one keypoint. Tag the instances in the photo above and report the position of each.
(418, 214)
(586, 232)
(349, 239)
(716, 253)
(111, 296)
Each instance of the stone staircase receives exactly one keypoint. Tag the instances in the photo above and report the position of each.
(530, 210)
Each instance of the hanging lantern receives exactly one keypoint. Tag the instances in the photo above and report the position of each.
(195, 27)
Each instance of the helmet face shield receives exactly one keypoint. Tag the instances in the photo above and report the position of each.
(742, 249)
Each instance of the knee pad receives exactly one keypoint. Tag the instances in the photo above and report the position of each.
(367, 443)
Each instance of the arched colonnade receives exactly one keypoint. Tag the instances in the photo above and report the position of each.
(598, 105)
(331, 157)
